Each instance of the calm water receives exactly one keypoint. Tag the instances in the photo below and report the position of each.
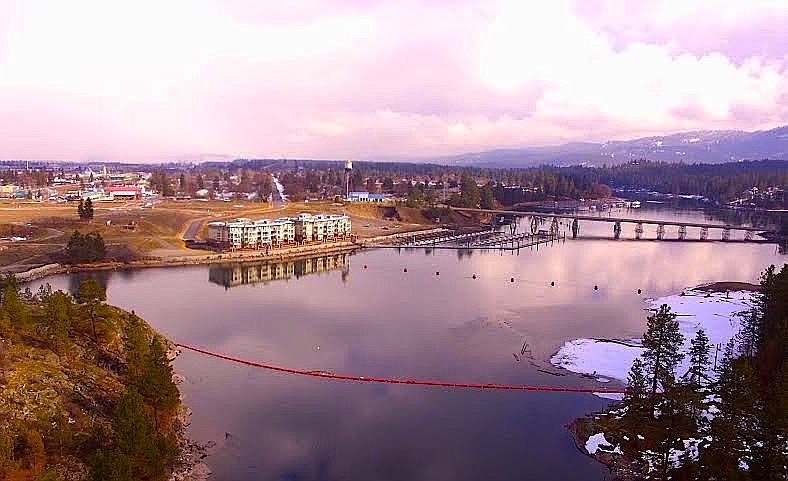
(362, 314)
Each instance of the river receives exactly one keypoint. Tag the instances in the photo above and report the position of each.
(363, 314)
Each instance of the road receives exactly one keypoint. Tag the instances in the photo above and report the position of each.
(191, 232)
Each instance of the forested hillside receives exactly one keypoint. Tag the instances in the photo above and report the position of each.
(86, 389)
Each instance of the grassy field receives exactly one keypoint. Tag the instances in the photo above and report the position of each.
(159, 227)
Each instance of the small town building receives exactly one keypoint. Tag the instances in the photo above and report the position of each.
(363, 196)
(123, 192)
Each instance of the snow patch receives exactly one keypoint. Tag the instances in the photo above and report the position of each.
(597, 442)
(279, 188)
(714, 312)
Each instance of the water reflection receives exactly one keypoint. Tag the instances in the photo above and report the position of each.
(463, 325)
(255, 273)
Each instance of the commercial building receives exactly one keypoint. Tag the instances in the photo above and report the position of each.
(362, 196)
(245, 233)
(123, 192)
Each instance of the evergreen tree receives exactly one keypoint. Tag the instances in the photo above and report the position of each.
(136, 349)
(158, 388)
(11, 303)
(58, 312)
(469, 191)
(662, 342)
(487, 198)
(637, 388)
(81, 208)
(85, 248)
(699, 358)
(88, 209)
(91, 294)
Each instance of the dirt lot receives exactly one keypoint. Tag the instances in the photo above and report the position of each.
(160, 225)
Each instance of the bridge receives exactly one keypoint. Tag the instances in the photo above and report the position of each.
(539, 218)
(476, 239)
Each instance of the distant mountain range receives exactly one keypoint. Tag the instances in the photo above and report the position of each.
(712, 146)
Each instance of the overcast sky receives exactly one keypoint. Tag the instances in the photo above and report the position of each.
(185, 79)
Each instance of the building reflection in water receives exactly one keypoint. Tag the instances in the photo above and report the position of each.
(263, 272)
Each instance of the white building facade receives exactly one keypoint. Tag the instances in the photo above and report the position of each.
(245, 233)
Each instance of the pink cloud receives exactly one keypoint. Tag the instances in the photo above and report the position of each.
(365, 79)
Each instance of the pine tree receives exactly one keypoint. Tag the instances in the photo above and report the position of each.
(81, 208)
(136, 349)
(157, 386)
(91, 294)
(662, 342)
(699, 358)
(637, 388)
(88, 209)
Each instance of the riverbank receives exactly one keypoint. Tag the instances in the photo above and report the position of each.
(716, 308)
(290, 253)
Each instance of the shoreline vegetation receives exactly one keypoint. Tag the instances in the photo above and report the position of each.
(87, 390)
(692, 411)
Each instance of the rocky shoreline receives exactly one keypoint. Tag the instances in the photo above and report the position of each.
(292, 253)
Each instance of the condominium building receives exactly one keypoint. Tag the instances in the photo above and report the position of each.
(245, 233)
(319, 228)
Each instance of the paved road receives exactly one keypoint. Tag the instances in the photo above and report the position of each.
(191, 231)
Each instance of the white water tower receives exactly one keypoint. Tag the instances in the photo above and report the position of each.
(348, 171)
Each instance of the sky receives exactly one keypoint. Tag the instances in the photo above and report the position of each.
(372, 79)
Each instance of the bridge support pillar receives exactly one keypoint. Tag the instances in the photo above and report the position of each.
(726, 233)
(575, 228)
(682, 232)
(748, 235)
(639, 230)
(535, 222)
(617, 230)
(660, 231)
(704, 233)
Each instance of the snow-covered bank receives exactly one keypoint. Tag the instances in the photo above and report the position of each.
(714, 312)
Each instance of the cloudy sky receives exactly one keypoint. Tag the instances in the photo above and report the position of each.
(360, 79)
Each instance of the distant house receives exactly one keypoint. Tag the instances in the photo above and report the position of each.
(363, 196)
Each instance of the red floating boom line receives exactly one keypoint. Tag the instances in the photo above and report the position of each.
(417, 382)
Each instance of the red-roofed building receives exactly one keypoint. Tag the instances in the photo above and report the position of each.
(123, 192)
